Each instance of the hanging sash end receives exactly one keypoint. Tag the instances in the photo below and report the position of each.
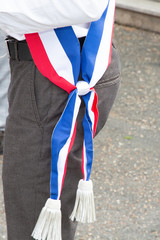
(49, 222)
(84, 209)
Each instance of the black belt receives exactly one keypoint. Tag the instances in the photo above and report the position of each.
(19, 50)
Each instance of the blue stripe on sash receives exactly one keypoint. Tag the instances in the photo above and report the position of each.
(87, 126)
(60, 136)
(71, 46)
(90, 47)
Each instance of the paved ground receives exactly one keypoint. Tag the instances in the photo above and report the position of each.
(143, 14)
(127, 158)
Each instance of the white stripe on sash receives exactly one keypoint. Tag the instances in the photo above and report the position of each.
(57, 55)
(102, 59)
(90, 112)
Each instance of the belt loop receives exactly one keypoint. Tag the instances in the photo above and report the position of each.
(16, 50)
(9, 52)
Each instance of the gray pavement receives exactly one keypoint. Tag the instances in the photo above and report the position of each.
(126, 169)
(143, 14)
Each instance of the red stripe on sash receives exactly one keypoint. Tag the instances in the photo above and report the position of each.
(69, 149)
(43, 63)
(95, 111)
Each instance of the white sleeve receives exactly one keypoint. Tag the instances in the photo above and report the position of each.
(27, 16)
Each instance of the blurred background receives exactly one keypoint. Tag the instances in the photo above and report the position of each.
(126, 169)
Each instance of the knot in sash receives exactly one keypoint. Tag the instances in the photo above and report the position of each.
(83, 88)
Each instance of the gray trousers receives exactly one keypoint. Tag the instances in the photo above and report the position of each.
(35, 105)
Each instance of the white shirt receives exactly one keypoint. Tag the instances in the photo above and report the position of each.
(4, 81)
(18, 17)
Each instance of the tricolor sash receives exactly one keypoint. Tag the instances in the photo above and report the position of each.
(57, 55)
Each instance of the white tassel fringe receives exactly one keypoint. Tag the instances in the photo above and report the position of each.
(84, 209)
(48, 226)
